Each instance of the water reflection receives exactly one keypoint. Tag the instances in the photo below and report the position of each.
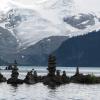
(52, 93)
(40, 92)
(14, 87)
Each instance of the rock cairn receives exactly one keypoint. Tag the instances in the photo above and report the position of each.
(53, 77)
(14, 76)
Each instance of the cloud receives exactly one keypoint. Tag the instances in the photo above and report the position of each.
(88, 5)
(31, 2)
(4, 5)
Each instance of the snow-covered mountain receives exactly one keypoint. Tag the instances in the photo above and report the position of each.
(43, 18)
(27, 22)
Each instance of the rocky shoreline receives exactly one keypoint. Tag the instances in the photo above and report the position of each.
(53, 77)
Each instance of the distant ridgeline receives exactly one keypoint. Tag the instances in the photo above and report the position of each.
(76, 51)
(2, 62)
(80, 51)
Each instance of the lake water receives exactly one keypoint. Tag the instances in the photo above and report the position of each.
(40, 92)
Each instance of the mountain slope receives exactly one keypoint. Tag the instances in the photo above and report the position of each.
(26, 25)
(37, 54)
(3, 63)
(33, 55)
(8, 43)
(80, 51)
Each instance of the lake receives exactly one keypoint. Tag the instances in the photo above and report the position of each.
(40, 92)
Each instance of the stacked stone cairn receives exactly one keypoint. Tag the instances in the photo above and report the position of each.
(53, 79)
(32, 77)
(14, 76)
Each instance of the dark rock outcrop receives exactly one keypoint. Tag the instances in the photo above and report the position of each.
(29, 79)
(32, 78)
(65, 78)
(2, 78)
(84, 79)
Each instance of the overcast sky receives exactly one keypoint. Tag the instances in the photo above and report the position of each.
(82, 4)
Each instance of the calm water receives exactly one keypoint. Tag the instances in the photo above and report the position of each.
(40, 92)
